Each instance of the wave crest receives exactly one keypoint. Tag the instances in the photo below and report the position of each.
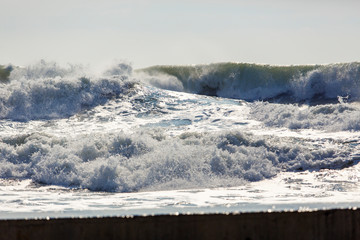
(47, 91)
(264, 82)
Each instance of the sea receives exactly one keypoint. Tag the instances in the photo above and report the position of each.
(77, 141)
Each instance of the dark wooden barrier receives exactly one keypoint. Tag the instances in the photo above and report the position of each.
(326, 224)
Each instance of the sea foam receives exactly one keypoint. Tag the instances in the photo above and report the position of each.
(200, 153)
(328, 117)
(47, 91)
(141, 161)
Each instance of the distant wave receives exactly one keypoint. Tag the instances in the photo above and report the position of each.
(46, 91)
(250, 82)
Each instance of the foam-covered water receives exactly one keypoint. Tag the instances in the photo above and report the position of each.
(219, 126)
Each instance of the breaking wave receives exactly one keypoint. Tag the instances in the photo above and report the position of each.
(201, 152)
(47, 91)
(311, 83)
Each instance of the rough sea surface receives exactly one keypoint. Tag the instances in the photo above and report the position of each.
(222, 137)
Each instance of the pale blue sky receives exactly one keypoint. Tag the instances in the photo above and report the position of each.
(180, 32)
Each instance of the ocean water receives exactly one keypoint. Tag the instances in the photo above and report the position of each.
(224, 137)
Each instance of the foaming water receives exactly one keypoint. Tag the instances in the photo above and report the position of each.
(307, 191)
(69, 129)
(46, 91)
(138, 162)
(328, 117)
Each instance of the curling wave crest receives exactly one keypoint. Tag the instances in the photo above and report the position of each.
(308, 83)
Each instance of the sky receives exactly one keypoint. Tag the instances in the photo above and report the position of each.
(174, 32)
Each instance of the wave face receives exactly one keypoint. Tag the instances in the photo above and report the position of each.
(47, 91)
(142, 161)
(264, 82)
(5, 73)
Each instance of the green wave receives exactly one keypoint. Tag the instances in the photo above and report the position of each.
(261, 82)
(209, 79)
(225, 68)
(5, 73)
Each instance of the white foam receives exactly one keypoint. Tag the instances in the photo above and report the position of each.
(46, 91)
(144, 160)
(102, 133)
(328, 117)
(288, 191)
